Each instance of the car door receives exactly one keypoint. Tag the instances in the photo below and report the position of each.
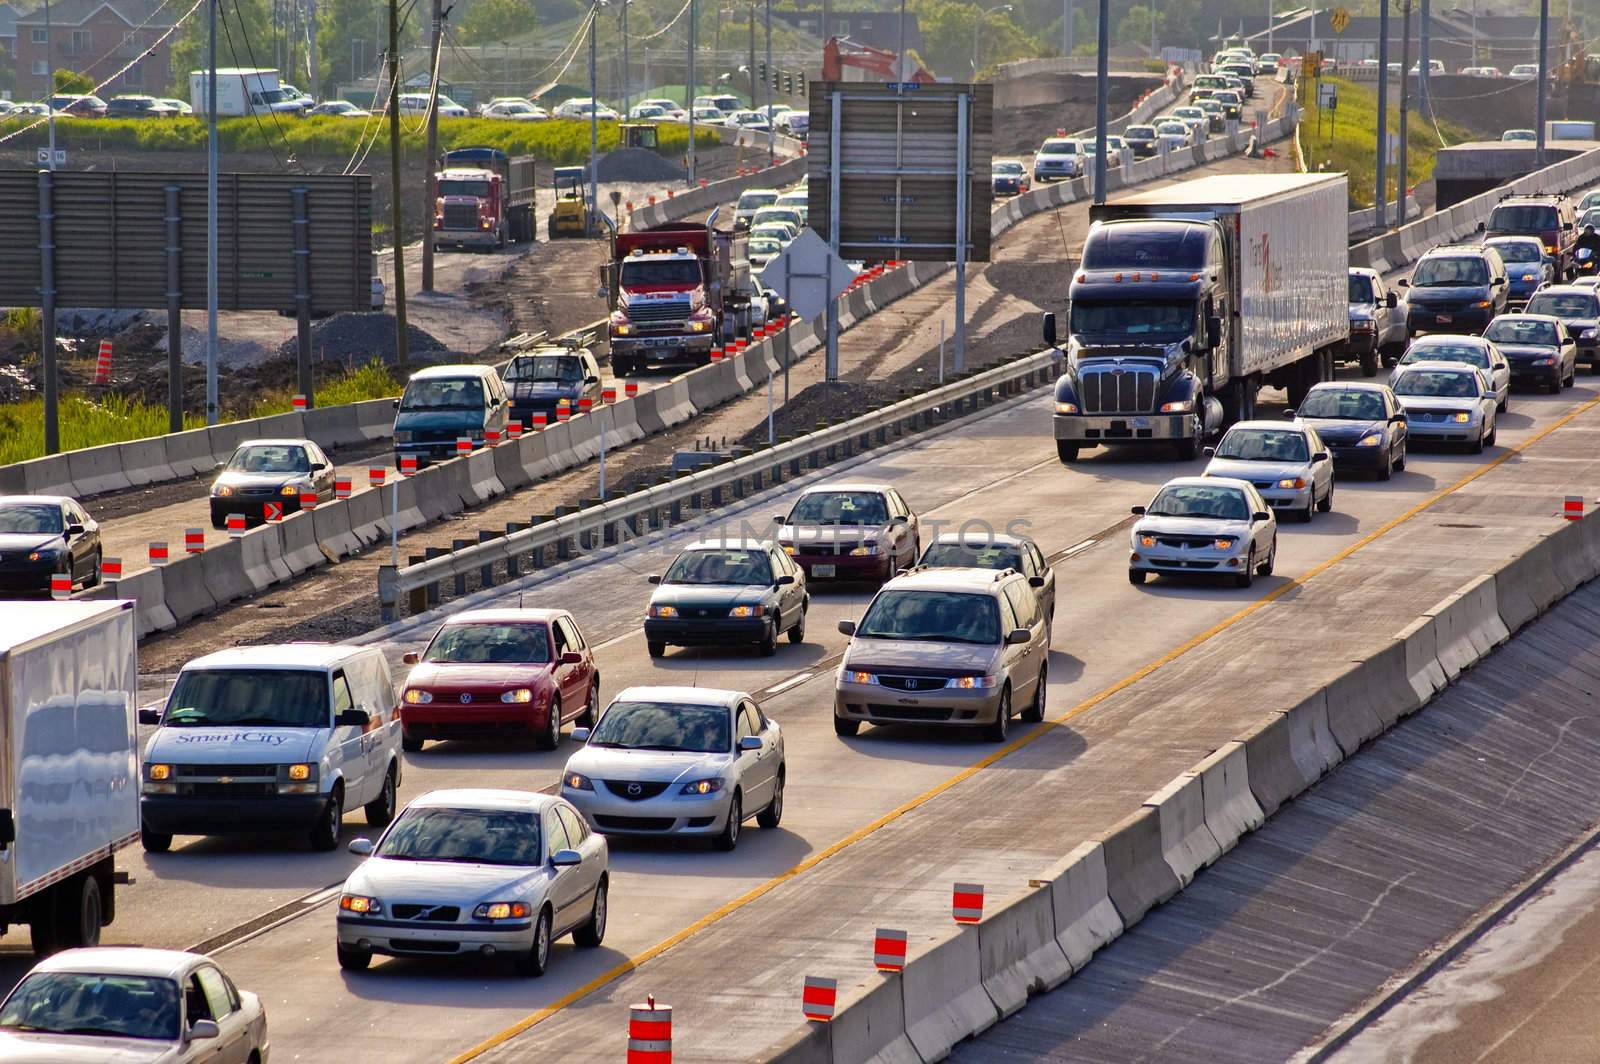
(571, 680)
(322, 478)
(1321, 472)
(566, 885)
(350, 745)
(1025, 604)
(756, 769)
(788, 594)
(233, 1046)
(912, 532)
(1047, 593)
(584, 841)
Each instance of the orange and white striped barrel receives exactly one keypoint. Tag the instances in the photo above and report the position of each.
(818, 997)
(308, 499)
(585, 404)
(342, 487)
(194, 541)
(563, 412)
(102, 369)
(650, 1033)
(60, 585)
(235, 524)
(608, 396)
(716, 354)
(1572, 508)
(110, 569)
(630, 389)
(966, 903)
(889, 950)
(463, 446)
(740, 344)
(408, 465)
(513, 430)
(540, 420)
(376, 476)
(491, 437)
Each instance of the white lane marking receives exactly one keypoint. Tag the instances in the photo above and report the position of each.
(322, 896)
(1077, 548)
(793, 681)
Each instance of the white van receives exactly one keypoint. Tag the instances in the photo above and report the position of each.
(272, 738)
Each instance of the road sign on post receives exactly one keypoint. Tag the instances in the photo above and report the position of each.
(1339, 20)
(807, 274)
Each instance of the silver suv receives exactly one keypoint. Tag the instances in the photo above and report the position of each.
(962, 647)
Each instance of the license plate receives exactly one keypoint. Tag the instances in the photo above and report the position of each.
(822, 570)
(663, 341)
(1444, 319)
(1141, 422)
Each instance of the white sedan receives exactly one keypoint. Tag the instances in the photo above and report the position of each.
(131, 1004)
(679, 760)
(476, 872)
(1287, 463)
(1467, 350)
(1447, 402)
(1197, 526)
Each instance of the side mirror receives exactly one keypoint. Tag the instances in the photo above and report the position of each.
(200, 1030)
(1036, 581)
(410, 657)
(1049, 329)
(74, 529)
(899, 519)
(396, 403)
(1213, 330)
(1497, 282)
(1481, 227)
(317, 467)
(1402, 283)
(1565, 340)
(580, 735)
(1137, 511)
(1391, 300)
(653, 578)
(1320, 456)
(749, 742)
(783, 581)
(1399, 418)
(566, 858)
(847, 627)
(571, 657)
(361, 847)
(352, 718)
(1209, 452)
(780, 519)
(1259, 516)
(8, 828)
(1018, 636)
(591, 380)
(149, 716)
(219, 467)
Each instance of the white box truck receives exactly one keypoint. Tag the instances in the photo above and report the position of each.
(1189, 298)
(242, 91)
(1568, 129)
(69, 765)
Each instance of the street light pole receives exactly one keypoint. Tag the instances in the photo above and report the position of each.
(1380, 200)
(689, 89)
(1544, 78)
(977, 24)
(1101, 79)
(772, 76)
(594, 118)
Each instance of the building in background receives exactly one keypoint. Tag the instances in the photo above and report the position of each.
(97, 38)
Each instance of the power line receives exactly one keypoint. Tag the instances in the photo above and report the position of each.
(232, 50)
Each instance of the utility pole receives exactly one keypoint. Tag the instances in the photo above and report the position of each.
(1544, 78)
(430, 183)
(626, 96)
(753, 57)
(47, 287)
(402, 356)
(213, 257)
(1269, 25)
(1067, 28)
(50, 85)
(1424, 103)
(594, 119)
(311, 47)
(1405, 61)
(1381, 198)
(690, 89)
(1101, 77)
(772, 77)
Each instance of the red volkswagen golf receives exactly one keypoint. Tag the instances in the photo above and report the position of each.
(492, 673)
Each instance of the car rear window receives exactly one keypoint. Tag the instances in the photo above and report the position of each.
(1564, 305)
(1059, 147)
(1523, 217)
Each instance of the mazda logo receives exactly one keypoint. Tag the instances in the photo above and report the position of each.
(465, 698)
(634, 788)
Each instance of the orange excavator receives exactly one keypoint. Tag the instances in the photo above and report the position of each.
(844, 60)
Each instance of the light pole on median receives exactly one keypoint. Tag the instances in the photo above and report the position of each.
(977, 24)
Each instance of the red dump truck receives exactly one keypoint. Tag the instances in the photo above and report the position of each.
(675, 292)
(484, 198)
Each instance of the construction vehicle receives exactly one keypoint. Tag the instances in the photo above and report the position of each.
(570, 215)
(483, 198)
(675, 292)
(639, 135)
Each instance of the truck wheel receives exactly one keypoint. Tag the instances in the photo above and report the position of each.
(381, 809)
(1067, 452)
(550, 228)
(154, 841)
(1369, 364)
(79, 913)
(324, 837)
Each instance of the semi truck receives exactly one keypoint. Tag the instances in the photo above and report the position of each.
(675, 292)
(69, 765)
(1189, 299)
(483, 198)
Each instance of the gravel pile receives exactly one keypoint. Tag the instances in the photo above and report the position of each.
(638, 164)
(359, 338)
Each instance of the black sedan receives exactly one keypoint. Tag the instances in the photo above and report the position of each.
(43, 536)
(1538, 347)
(1009, 177)
(1362, 424)
(1144, 140)
(727, 592)
(269, 471)
(540, 380)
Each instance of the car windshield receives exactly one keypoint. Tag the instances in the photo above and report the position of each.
(768, 215)
(1263, 445)
(468, 836)
(1519, 251)
(265, 458)
(87, 1003)
(1573, 305)
(1360, 288)
(1173, 129)
(1144, 132)
(764, 246)
(490, 644)
(932, 616)
(1450, 271)
(1007, 169)
(1436, 382)
(457, 186)
(1200, 500)
(444, 393)
(840, 508)
(1189, 112)
(29, 518)
(972, 556)
(1447, 352)
(1059, 147)
(1132, 319)
(283, 698)
(1505, 331)
(643, 271)
(736, 566)
(1590, 217)
(754, 201)
(664, 726)
(1515, 217)
(566, 368)
(1342, 404)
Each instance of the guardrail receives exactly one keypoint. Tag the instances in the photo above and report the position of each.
(646, 509)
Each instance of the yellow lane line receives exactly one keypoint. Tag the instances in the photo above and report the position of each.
(1034, 734)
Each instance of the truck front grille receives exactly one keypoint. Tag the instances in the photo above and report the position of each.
(658, 310)
(1122, 390)
(461, 216)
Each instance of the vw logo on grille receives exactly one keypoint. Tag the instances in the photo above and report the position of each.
(634, 788)
(465, 698)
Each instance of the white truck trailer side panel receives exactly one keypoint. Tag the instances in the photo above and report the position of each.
(1294, 263)
(71, 770)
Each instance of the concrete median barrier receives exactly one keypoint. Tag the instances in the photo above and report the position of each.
(257, 549)
(508, 468)
(1352, 718)
(331, 525)
(870, 1024)
(1288, 752)
(13, 480)
(811, 1044)
(1231, 810)
(534, 452)
(47, 476)
(1138, 877)
(1572, 568)
(1423, 671)
(645, 412)
(191, 453)
(1187, 845)
(375, 419)
(147, 589)
(145, 462)
(183, 582)
(1080, 898)
(333, 426)
(301, 551)
(400, 508)
(440, 489)
(673, 403)
(483, 482)
(366, 514)
(1468, 623)
(222, 439)
(223, 568)
(1486, 629)
(582, 442)
(96, 470)
(944, 996)
(1018, 953)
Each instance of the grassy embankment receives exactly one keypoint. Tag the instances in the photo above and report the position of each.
(1347, 141)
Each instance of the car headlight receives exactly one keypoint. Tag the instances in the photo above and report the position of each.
(1588, 334)
(1292, 482)
(1182, 406)
(415, 697)
(291, 491)
(297, 779)
(974, 683)
(1066, 408)
(622, 329)
(520, 696)
(577, 781)
(663, 611)
(159, 772)
(1223, 543)
(502, 910)
(1546, 360)
(866, 550)
(1482, 304)
(1147, 540)
(861, 678)
(788, 548)
(402, 436)
(360, 904)
(1461, 418)
(158, 780)
(1361, 325)
(299, 772)
(1371, 439)
(747, 611)
(699, 326)
(41, 555)
(701, 787)
(1528, 277)
(223, 491)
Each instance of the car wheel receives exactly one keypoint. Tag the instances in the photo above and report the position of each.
(592, 933)
(797, 632)
(1477, 445)
(536, 961)
(591, 707)
(353, 960)
(93, 579)
(1310, 511)
(381, 809)
(1572, 378)
(1248, 576)
(769, 641)
(1594, 366)
(550, 734)
(325, 836)
(1272, 559)
(1400, 463)
(154, 841)
(1136, 576)
(772, 815)
(1503, 405)
(1067, 452)
(1387, 470)
(1033, 713)
(1369, 364)
(656, 648)
(1494, 434)
(410, 744)
(729, 838)
(997, 732)
(845, 728)
(1327, 501)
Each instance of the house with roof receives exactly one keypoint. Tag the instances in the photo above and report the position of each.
(97, 38)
